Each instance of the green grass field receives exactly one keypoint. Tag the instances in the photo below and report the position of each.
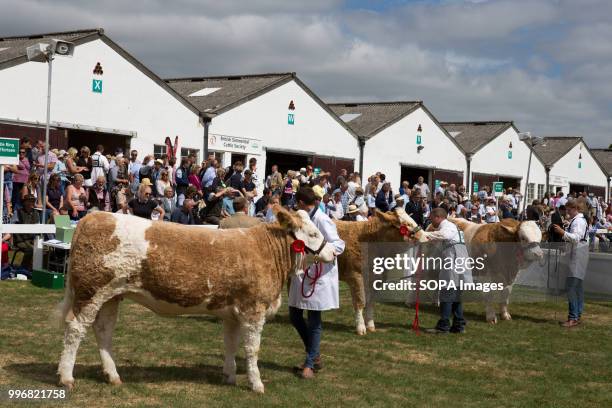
(177, 362)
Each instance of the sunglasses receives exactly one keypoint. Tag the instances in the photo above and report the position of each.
(22, 152)
(147, 194)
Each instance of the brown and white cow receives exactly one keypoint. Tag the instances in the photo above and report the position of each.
(175, 270)
(507, 247)
(384, 227)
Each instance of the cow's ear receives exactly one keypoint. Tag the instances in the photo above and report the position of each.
(383, 216)
(511, 228)
(286, 219)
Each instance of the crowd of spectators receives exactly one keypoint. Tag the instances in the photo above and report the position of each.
(188, 192)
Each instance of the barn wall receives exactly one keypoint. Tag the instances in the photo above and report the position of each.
(493, 160)
(129, 100)
(590, 173)
(314, 132)
(396, 145)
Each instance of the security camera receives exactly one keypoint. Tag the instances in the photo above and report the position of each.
(61, 47)
(37, 52)
(419, 148)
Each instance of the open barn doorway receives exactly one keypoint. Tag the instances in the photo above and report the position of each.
(286, 161)
(412, 174)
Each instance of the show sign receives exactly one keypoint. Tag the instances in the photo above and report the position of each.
(9, 151)
(560, 181)
(9, 154)
(498, 188)
(235, 144)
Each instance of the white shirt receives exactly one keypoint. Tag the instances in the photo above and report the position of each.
(352, 186)
(100, 166)
(577, 229)
(561, 201)
(491, 214)
(424, 188)
(446, 231)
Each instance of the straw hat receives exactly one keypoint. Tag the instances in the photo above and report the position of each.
(352, 208)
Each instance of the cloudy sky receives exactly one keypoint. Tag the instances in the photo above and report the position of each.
(546, 64)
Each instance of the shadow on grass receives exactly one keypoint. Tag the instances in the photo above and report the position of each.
(335, 326)
(201, 373)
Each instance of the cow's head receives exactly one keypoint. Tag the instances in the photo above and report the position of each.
(308, 244)
(529, 236)
(405, 226)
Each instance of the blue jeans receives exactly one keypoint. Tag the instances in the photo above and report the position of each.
(448, 308)
(575, 297)
(310, 332)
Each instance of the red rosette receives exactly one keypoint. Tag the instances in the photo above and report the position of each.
(403, 230)
(298, 246)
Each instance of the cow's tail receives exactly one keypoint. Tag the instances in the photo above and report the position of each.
(63, 311)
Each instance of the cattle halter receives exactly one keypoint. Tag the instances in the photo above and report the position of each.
(305, 247)
(299, 247)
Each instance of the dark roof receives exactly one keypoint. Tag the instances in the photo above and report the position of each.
(604, 157)
(233, 90)
(472, 136)
(374, 116)
(555, 147)
(13, 52)
(14, 48)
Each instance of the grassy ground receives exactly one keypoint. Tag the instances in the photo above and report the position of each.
(177, 362)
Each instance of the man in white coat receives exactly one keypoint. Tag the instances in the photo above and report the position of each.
(576, 235)
(317, 289)
(448, 245)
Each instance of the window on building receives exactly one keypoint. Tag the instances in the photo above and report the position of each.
(159, 150)
(530, 192)
(552, 189)
(541, 191)
(186, 151)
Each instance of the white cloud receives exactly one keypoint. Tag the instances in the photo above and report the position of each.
(541, 63)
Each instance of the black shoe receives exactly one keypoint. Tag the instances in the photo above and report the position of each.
(457, 330)
(435, 330)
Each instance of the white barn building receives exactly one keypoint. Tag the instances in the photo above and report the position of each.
(604, 157)
(571, 167)
(275, 118)
(404, 140)
(101, 95)
(495, 153)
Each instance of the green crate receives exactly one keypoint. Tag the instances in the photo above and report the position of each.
(64, 234)
(46, 279)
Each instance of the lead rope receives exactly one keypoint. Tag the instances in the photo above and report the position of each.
(299, 248)
(415, 321)
(313, 280)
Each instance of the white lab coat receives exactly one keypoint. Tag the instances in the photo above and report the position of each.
(326, 295)
(577, 254)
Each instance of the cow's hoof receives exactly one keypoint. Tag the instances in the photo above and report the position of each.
(115, 381)
(361, 330)
(229, 379)
(371, 329)
(493, 320)
(67, 384)
(506, 316)
(258, 388)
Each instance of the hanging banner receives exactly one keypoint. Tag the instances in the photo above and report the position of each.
(234, 144)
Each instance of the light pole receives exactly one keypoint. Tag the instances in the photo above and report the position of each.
(532, 141)
(43, 52)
